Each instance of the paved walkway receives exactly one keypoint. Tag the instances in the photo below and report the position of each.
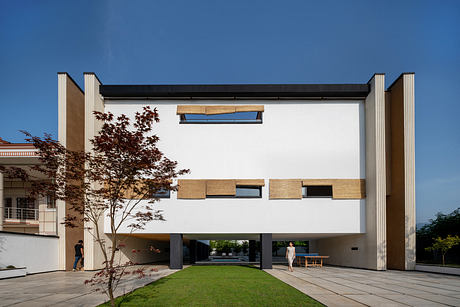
(65, 288)
(336, 286)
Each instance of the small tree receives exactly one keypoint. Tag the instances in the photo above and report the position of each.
(444, 245)
(111, 181)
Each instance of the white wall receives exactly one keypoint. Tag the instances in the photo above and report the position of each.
(36, 253)
(298, 139)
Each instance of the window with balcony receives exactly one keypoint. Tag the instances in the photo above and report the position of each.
(25, 209)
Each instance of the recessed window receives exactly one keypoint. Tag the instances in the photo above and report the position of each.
(162, 193)
(242, 192)
(248, 192)
(229, 118)
(317, 191)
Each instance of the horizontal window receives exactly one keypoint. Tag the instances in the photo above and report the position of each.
(242, 192)
(162, 193)
(317, 191)
(228, 118)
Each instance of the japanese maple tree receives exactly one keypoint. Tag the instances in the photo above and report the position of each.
(115, 181)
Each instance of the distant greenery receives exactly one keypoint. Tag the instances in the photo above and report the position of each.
(441, 227)
(444, 245)
(228, 246)
(217, 286)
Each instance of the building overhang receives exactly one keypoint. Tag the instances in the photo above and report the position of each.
(234, 91)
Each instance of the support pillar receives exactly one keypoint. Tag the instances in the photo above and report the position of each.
(193, 251)
(176, 251)
(252, 250)
(265, 251)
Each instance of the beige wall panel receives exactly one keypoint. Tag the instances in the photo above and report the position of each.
(285, 189)
(349, 189)
(249, 108)
(220, 109)
(191, 109)
(191, 189)
(221, 187)
(253, 182)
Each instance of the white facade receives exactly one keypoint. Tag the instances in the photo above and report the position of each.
(298, 139)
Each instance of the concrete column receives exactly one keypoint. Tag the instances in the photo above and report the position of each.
(265, 251)
(2, 206)
(176, 251)
(252, 250)
(193, 251)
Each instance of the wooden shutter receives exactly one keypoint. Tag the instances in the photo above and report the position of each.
(191, 109)
(285, 188)
(249, 108)
(250, 182)
(219, 109)
(221, 187)
(349, 188)
(191, 189)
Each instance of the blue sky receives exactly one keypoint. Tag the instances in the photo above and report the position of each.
(173, 42)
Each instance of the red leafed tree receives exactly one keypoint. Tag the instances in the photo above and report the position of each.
(116, 181)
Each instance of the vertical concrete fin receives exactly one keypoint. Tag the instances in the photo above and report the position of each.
(93, 102)
(375, 174)
(70, 134)
(409, 169)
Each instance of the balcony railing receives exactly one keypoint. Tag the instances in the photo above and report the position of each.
(21, 213)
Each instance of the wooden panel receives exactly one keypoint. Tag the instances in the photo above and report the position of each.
(221, 187)
(285, 188)
(249, 108)
(314, 182)
(253, 182)
(191, 109)
(191, 189)
(341, 188)
(349, 189)
(219, 110)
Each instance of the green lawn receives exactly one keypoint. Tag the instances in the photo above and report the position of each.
(218, 286)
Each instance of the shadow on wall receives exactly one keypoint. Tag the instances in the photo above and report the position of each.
(142, 251)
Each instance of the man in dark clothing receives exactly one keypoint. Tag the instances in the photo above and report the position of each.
(78, 254)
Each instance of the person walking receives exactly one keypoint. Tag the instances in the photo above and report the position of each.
(290, 255)
(78, 254)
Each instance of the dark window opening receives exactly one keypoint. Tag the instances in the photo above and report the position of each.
(8, 202)
(230, 118)
(248, 192)
(242, 192)
(162, 193)
(50, 202)
(317, 191)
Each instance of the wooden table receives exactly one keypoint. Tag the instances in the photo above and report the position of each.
(315, 260)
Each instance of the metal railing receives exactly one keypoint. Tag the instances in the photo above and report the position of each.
(21, 213)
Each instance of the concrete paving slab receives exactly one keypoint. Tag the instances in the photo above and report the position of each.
(411, 300)
(374, 300)
(374, 288)
(65, 288)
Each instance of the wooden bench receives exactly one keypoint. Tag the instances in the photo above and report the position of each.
(315, 260)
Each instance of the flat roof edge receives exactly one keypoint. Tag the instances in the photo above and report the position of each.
(236, 90)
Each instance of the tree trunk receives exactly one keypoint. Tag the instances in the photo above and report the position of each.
(443, 259)
(110, 290)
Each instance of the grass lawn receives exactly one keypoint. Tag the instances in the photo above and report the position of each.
(218, 286)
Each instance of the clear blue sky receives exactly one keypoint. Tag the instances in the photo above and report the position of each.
(167, 42)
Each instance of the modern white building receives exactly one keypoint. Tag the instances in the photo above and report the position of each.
(329, 163)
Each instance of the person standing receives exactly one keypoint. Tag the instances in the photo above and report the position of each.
(290, 255)
(78, 254)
